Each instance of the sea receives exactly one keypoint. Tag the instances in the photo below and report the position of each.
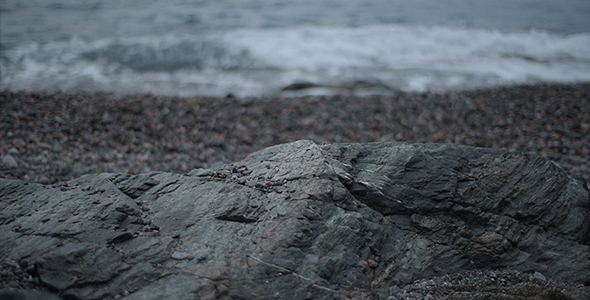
(274, 47)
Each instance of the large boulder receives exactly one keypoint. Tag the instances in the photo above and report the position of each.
(301, 221)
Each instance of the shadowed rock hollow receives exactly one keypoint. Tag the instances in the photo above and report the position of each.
(307, 221)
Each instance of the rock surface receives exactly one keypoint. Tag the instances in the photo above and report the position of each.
(309, 221)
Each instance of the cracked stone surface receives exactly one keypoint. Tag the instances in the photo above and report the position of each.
(301, 221)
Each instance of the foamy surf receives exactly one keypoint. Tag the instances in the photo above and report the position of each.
(254, 62)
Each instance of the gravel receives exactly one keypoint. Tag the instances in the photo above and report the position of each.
(489, 285)
(48, 137)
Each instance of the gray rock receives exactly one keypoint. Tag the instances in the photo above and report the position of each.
(539, 276)
(301, 221)
(181, 255)
(13, 151)
(9, 161)
(26, 295)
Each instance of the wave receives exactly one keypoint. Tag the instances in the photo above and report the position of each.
(250, 62)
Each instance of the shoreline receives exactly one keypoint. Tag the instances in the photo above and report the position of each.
(58, 136)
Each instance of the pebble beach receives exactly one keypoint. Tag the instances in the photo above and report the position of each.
(49, 137)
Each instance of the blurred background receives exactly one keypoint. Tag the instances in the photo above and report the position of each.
(259, 47)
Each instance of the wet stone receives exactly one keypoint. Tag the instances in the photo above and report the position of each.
(9, 161)
(181, 255)
(376, 220)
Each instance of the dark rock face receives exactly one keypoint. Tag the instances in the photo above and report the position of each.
(301, 221)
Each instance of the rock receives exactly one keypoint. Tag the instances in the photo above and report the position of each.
(300, 86)
(9, 161)
(539, 276)
(301, 221)
(13, 151)
(27, 295)
(355, 87)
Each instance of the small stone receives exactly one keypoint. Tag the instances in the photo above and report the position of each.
(394, 290)
(251, 183)
(11, 263)
(539, 276)
(9, 161)
(222, 288)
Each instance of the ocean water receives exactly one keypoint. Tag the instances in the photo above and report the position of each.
(258, 47)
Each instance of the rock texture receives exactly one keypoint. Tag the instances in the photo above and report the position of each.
(307, 221)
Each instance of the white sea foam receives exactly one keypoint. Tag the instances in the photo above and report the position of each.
(250, 62)
(424, 54)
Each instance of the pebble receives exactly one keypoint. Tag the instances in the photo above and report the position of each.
(394, 290)
(551, 120)
(9, 161)
(480, 284)
(11, 263)
(539, 276)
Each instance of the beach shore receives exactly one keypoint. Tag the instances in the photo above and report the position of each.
(48, 137)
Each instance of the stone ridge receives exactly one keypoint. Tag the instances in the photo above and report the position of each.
(302, 221)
